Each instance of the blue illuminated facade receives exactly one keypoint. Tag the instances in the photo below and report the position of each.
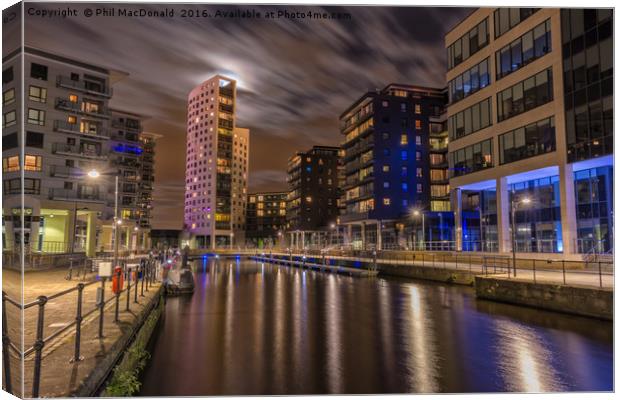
(594, 208)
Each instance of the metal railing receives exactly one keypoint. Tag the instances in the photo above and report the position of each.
(144, 276)
(594, 274)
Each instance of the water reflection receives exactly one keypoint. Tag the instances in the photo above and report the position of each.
(254, 328)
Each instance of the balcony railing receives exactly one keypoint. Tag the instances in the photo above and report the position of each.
(84, 86)
(64, 126)
(65, 104)
(73, 150)
(62, 171)
(74, 195)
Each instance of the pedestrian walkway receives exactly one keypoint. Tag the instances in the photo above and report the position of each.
(60, 376)
(588, 278)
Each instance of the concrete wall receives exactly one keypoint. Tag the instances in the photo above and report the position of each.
(588, 302)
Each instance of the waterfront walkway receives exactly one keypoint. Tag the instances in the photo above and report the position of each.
(60, 376)
(590, 277)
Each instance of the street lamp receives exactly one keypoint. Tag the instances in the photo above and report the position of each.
(93, 173)
(417, 213)
(513, 206)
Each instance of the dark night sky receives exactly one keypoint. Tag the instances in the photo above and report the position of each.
(295, 77)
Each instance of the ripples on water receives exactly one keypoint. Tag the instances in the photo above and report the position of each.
(253, 328)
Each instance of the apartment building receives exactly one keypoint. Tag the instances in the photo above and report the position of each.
(387, 164)
(66, 121)
(70, 131)
(216, 166)
(312, 204)
(265, 218)
(530, 120)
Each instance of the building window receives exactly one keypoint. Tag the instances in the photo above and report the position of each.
(9, 119)
(73, 98)
(8, 97)
(469, 82)
(507, 18)
(386, 185)
(9, 141)
(36, 93)
(36, 117)
(72, 119)
(470, 120)
(418, 140)
(386, 168)
(32, 163)
(418, 124)
(418, 172)
(468, 44)
(529, 47)
(418, 156)
(10, 164)
(403, 171)
(403, 139)
(34, 139)
(419, 188)
(38, 71)
(472, 158)
(403, 107)
(404, 186)
(385, 135)
(385, 103)
(386, 201)
(418, 109)
(528, 141)
(403, 155)
(525, 95)
(7, 75)
(587, 52)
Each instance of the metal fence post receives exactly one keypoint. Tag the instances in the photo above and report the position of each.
(135, 292)
(600, 275)
(563, 272)
(6, 342)
(142, 274)
(128, 290)
(101, 305)
(534, 269)
(38, 347)
(78, 324)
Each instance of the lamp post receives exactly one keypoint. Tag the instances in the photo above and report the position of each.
(417, 213)
(513, 206)
(95, 174)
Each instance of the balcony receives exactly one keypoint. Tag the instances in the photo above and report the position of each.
(127, 126)
(66, 127)
(62, 171)
(226, 108)
(66, 105)
(76, 151)
(74, 195)
(93, 88)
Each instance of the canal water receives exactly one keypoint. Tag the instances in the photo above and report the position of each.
(263, 329)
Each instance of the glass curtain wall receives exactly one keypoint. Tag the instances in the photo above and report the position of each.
(594, 207)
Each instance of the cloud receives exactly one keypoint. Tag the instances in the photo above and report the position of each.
(296, 76)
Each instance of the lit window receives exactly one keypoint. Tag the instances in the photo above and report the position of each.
(309, 199)
(418, 109)
(386, 168)
(386, 201)
(403, 139)
(418, 155)
(9, 119)
(32, 163)
(252, 199)
(418, 124)
(418, 172)
(8, 97)
(419, 188)
(403, 155)
(10, 164)
(418, 140)
(386, 185)
(73, 98)
(36, 117)
(72, 119)
(36, 93)
(404, 186)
